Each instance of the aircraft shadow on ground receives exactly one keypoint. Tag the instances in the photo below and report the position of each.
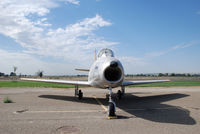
(148, 107)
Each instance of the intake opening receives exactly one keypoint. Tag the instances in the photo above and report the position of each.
(113, 73)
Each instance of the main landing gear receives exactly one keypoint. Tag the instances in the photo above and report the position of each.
(121, 92)
(78, 93)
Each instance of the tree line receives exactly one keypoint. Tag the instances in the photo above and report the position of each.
(165, 74)
(13, 73)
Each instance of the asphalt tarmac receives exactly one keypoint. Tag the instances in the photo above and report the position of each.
(174, 110)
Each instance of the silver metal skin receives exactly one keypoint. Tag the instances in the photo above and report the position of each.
(97, 77)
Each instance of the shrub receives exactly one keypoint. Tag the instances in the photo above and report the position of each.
(7, 100)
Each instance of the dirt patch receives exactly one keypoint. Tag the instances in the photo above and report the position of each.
(68, 130)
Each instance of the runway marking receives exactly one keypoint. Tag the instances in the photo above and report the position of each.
(92, 111)
(99, 102)
(72, 111)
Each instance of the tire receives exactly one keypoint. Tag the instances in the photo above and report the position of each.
(111, 109)
(107, 97)
(80, 94)
(119, 94)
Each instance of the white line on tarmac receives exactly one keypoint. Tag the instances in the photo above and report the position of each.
(99, 102)
(92, 111)
(72, 111)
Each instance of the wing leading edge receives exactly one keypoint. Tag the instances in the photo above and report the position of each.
(126, 83)
(83, 83)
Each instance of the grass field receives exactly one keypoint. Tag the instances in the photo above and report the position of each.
(32, 84)
(170, 84)
(54, 85)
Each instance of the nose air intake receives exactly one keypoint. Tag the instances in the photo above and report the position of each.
(113, 72)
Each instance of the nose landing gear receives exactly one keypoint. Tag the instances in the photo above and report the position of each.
(111, 106)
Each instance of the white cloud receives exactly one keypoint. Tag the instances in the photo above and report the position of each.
(185, 45)
(25, 22)
(143, 65)
(70, 42)
(37, 37)
(28, 64)
(174, 48)
(75, 2)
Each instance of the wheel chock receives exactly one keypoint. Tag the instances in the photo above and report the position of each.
(112, 117)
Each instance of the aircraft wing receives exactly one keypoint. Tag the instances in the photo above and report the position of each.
(83, 83)
(126, 83)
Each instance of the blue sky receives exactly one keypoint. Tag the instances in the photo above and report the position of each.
(56, 36)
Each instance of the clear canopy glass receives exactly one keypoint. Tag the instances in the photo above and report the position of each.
(106, 53)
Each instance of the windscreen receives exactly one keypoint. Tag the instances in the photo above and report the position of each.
(106, 53)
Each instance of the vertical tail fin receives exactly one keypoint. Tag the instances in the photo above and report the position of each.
(95, 55)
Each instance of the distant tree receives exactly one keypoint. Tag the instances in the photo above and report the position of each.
(12, 74)
(14, 69)
(2, 74)
(173, 74)
(40, 73)
(160, 74)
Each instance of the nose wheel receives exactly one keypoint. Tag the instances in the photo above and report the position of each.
(111, 110)
(111, 106)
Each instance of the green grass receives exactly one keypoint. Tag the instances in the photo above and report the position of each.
(170, 84)
(7, 100)
(32, 84)
(55, 85)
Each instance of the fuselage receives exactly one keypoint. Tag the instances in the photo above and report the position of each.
(106, 71)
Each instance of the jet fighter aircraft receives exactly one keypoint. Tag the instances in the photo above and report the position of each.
(106, 72)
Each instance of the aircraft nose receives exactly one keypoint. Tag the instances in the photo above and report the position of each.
(113, 64)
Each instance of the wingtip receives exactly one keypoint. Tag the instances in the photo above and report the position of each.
(24, 78)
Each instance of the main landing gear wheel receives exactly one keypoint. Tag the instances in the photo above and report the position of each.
(107, 97)
(119, 94)
(80, 94)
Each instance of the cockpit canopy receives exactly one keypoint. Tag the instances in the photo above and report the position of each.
(106, 53)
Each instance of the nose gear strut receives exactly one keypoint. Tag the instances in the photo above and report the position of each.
(111, 106)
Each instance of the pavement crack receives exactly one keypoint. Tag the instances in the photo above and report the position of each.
(21, 111)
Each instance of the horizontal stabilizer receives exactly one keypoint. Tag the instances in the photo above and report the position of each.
(87, 70)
